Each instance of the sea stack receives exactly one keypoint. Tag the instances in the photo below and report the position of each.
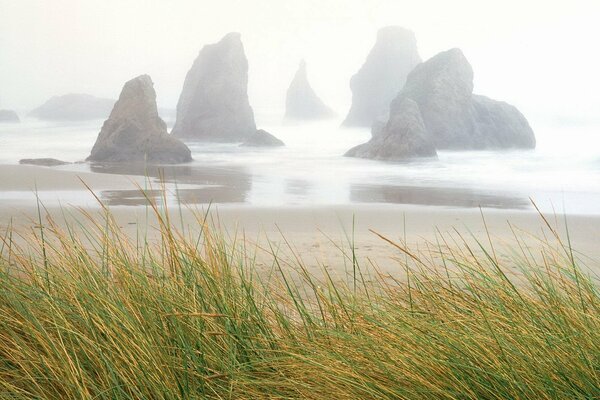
(8, 116)
(135, 133)
(73, 107)
(382, 75)
(455, 118)
(441, 93)
(404, 136)
(214, 105)
(302, 103)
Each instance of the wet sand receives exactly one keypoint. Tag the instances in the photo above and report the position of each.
(314, 232)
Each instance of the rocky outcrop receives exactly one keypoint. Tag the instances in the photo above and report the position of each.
(45, 162)
(73, 107)
(9, 116)
(213, 105)
(382, 75)
(502, 125)
(262, 138)
(443, 89)
(301, 102)
(453, 118)
(404, 136)
(135, 133)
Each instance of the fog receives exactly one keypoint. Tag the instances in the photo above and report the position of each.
(540, 56)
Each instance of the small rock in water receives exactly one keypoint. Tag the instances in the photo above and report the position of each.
(262, 138)
(45, 162)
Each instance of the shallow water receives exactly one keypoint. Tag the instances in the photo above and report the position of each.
(562, 174)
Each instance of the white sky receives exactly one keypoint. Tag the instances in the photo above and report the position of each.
(542, 56)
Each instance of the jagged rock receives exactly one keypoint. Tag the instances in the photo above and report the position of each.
(262, 138)
(213, 105)
(45, 162)
(302, 103)
(134, 132)
(9, 116)
(382, 75)
(502, 125)
(453, 118)
(73, 107)
(404, 136)
(443, 88)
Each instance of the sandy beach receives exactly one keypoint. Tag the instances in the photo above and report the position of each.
(323, 233)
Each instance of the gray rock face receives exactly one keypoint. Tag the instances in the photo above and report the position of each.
(213, 105)
(302, 103)
(443, 87)
(457, 119)
(404, 136)
(382, 76)
(73, 107)
(45, 162)
(440, 90)
(262, 138)
(9, 116)
(135, 133)
(502, 125)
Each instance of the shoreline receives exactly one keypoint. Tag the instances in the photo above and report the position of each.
(313, 230)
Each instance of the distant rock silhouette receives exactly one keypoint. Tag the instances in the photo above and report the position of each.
(213, 105)
(9, 116)
(262, 138)
(404, 136)
(382, 75)
(45, 162)
(441, 90)
(135, 133)
(302, 103)
(73, 107)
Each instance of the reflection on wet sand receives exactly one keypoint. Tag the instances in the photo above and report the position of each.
(297, 187)
(434, 196)
(215, 184)
(202, 184)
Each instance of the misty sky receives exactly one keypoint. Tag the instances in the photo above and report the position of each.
(539, 55)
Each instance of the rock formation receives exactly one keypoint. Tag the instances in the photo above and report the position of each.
(502, 125)
(213, 105)
(442, 91)
(302, 103)
(382, 75)
(262, 138)
(134, 132)
(404, 136)
(73, 107)
(45, 162)
(454, 117)
(9, 116)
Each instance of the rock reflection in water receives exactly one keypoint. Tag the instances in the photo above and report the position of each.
(215, 184)
(435, 196)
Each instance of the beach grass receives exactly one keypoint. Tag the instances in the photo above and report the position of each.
(89, 312)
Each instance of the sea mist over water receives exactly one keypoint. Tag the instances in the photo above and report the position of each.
(537, 57)
(559, 174)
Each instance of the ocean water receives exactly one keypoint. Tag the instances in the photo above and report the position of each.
(561, 175)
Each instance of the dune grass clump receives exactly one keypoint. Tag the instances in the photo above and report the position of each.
(88, 312)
